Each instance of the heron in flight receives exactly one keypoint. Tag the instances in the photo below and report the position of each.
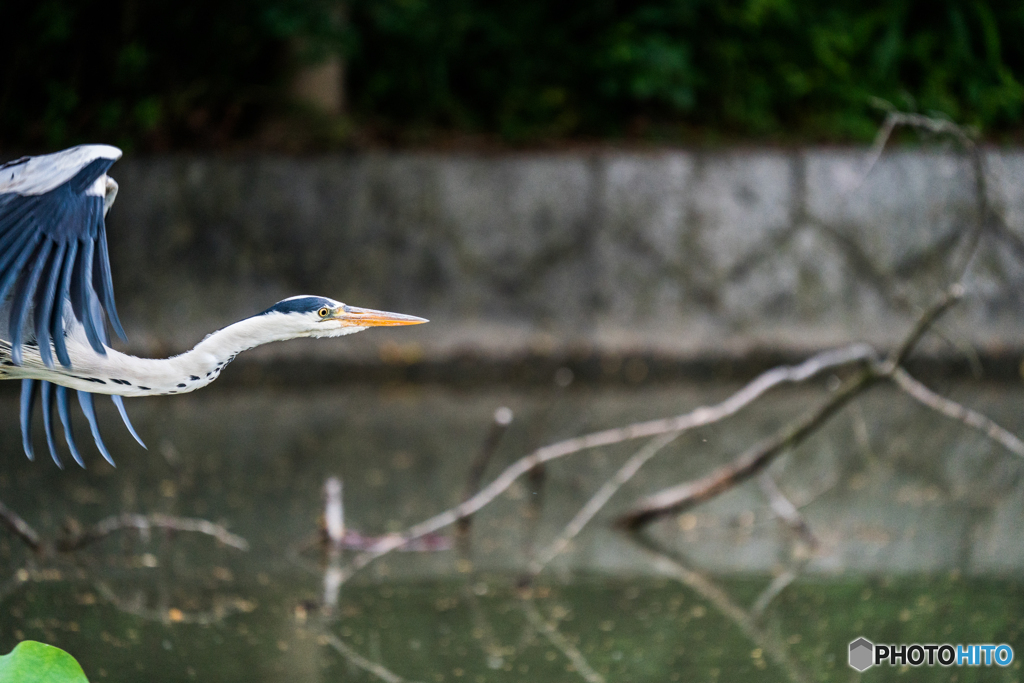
(56, 299)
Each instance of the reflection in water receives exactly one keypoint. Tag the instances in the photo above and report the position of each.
(914, 520)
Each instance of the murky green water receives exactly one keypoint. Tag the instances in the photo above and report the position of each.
(482, 629)
(918, 520)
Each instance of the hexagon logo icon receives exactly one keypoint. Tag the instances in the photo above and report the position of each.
(862, 654)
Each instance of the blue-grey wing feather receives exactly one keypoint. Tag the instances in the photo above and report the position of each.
(55, 267)
(85, 401)
(23, 293)
(63, 294)
(45, 305)
(119, 402)
(28, 401)
(52, 222)
(47, 399)
(64, 410)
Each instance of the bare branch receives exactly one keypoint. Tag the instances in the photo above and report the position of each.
(896, 118)
(965, 135)
(678, 498)
(753, 460)
(705, 415)
(949, 298)
(955, 411)
(499, 425)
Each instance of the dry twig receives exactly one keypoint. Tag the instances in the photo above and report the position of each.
(499, 425)
(931, 124)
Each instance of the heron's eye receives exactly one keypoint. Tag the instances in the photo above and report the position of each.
(324, 312)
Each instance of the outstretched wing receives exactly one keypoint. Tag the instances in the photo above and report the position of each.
(53, 256)
(53, 247)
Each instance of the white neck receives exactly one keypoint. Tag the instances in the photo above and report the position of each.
(119, 373)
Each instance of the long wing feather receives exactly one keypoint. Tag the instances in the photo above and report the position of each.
(44, 306)
(65, 420)
(22, 295)
(81, 293)
(47, 399)
(119, 402)
(85, 401)
(28, 402)
(103, 283)
(62, 294)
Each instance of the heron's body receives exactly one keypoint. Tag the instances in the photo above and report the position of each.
(120, 374)
(55, 290)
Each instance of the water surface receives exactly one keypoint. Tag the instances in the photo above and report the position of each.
(917, 519)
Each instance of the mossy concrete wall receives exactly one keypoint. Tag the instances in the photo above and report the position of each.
(674, 253)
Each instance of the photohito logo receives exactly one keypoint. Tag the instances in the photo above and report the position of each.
(864, 654)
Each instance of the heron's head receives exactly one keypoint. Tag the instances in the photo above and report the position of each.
(318, 316)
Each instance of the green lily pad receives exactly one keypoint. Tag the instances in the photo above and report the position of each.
(33, 662)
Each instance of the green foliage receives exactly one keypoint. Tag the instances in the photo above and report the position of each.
(752, 68)
(33, 662)
(163, 74)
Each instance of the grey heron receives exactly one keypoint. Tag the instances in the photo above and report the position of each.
(56, 299)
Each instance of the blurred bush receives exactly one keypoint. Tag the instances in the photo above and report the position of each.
(151, 73)
(170, 74)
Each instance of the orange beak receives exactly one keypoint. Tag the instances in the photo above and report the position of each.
(367, 317)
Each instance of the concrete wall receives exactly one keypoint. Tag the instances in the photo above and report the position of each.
(675, 253)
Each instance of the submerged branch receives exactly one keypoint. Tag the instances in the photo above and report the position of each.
(772, 591)
(12, 521)
(786, 511)
(598, 501)
(134, 605)
(357, 660)
(570, 651)
(714, 594)
(144, 523)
